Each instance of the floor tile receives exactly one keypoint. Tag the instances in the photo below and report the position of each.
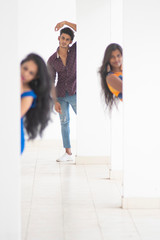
(76, 202)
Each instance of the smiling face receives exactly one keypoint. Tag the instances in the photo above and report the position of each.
(29, 71)
(116, 60)
(64, 40)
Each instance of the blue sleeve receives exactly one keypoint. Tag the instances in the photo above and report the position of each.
(29, 93)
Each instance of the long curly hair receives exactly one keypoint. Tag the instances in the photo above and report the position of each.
(37, 118)
(109, 98)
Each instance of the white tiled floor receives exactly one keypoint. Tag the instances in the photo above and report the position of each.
(76, 202)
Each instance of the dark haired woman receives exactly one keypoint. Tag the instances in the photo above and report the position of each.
(111, 74)
(36, 103)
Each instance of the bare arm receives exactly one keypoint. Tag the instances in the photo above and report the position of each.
(26, 102)
(61, 24)
(57, 104)
(52, 75)
(115, 82)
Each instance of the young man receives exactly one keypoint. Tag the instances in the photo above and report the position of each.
(63, 63)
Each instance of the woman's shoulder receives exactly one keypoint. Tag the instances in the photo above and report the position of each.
(109, 73)
(118, 74)
(29, 92)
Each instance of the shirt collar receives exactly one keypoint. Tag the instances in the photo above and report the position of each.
(58, 53)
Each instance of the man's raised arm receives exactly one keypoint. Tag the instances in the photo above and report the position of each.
(61, 24)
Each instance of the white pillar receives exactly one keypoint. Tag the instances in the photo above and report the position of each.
(91, 120)
(98, 140)
(9, 124)
(141, 104)
(115, 18)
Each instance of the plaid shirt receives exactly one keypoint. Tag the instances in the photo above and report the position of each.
(66, 75)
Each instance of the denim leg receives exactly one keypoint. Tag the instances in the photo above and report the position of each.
(65, 119)
(73, 102)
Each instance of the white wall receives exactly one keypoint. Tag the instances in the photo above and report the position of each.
(9, 124)
(91, 127)
(141, 99)
(115, 29)
(36, 22)
(99, 24)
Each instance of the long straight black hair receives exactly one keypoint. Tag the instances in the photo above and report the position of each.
(37, 118)
(109, 97)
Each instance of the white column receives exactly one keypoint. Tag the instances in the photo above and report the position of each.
(9, 124)
(116, 36)
(99, 24)
(141, 104)
(92, 128)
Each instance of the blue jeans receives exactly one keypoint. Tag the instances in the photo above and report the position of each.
(65, 117)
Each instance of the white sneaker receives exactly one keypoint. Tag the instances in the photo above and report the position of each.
(65, 157)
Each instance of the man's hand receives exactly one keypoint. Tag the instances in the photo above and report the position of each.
(58, 107)
(59, 25)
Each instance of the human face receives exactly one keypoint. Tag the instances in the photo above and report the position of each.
(29, 71)
(116, 60)
(64, 40)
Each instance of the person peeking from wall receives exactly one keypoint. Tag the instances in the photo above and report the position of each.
(111, 75)
(62, 68)
(36, 102)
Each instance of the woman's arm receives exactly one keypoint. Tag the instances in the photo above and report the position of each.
(26, 102)
(115, 82)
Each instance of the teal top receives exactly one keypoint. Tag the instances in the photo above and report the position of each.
(26, 94)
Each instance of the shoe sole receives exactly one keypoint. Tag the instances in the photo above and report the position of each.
(64, 160)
